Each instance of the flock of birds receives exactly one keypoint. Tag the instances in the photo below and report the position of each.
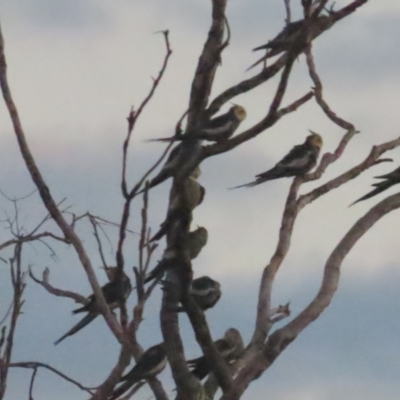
(206, 292)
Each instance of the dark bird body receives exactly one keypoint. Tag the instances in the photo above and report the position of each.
(294, 36)
(193, 244)
(205, 291)
(300, 160)
(115, 292)
(175, 162)
(150, 364)
(388, 180)
(217, 129)
(181, 204)
(230, 348)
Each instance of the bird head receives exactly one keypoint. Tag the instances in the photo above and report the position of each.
(201, 234)
(240, 112)
(315, 139)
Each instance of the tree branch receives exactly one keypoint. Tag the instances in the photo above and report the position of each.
(48, 200)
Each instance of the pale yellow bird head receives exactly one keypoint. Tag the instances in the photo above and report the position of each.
(315, 139)
(240, 112)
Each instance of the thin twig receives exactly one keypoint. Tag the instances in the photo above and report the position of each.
(36, 365)
(318, 93)
(99, 245)
(134, 115)
(48, 200)
(31, 383)
(288, 19)
(55, 291)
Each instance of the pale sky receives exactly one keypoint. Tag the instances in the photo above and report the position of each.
(76, 68)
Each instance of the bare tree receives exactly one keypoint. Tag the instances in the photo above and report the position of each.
(229, 366)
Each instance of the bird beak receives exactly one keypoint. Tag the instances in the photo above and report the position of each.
(312, 132)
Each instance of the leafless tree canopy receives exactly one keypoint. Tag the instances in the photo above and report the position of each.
(230, 367)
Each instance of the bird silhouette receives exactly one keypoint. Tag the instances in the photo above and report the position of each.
(205, 291)
(230, 347)
(217, 129)
(115, 292)
(301, 159)
(150, 364)
(193, 244)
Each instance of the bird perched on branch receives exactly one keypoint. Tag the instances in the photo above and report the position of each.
(217, 129)
(150, 364)
(390, 179)
(115, 293)
(182, 201)
(294, 35)
(175, 162)
(192, 244)
(205, 291)
(230, 348)
(301, 159)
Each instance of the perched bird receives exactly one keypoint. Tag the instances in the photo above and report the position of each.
(181, 204)
(230, 348)
(205, 291)
(217, 129)
(291, 36)
(115, 292)
(174, 163)
(195, 241)
(390, 179)
(301, 159)
(150, 364)
(193, 244)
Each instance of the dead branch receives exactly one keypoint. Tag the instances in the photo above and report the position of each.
(36, 365)
(31, 383)
(133, 117)
(288, 12)
(97, 237)
(282, 337)
(263, 325)
(207, 65)
(18, 283)
(48, 200)
(31, 238)
(318, 93)
(371, 160)
(44, 282)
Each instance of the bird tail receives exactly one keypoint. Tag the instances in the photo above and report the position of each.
(81, 324)
(251, 184)
(121, 390)
(80, 309)
(166, 139)
(155, 273)
(160, 233)
(262, 59)
(382, 186)
(201, 367)
(263, 47)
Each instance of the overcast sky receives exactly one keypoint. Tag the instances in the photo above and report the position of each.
(76, 68)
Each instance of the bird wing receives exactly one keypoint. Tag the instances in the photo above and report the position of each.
(216, 127)
(283, 36)
(87, 307)
(152, 362)
(298, 157)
